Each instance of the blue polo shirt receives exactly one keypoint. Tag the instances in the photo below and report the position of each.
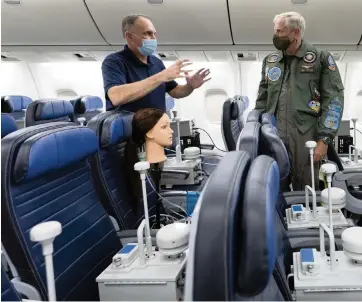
(124, 67)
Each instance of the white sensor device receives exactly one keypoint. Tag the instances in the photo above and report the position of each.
(45, 233)
(178, 147)
(172, 239)
(81, 120)
(142, 168)
(311, 145)
(328, 170)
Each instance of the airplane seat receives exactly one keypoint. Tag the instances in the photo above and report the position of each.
(249, 139)
(46, 176)
(87, 107)
(254, 116)
(16, 105)
(8, 124)
(232, 122)
(238, 268)
(268, 119)
(8, 291)
(48, 111)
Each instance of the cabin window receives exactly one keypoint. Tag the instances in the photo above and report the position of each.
(214, 100)
(66, 94)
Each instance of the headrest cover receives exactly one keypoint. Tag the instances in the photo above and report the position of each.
(18, 102)
(249, 139)
(116, 129)
(53, 150)
(87, 103)
(8, 124)
(6, 105)
(258, 251)
(234, 109)
(268, 118)
(254, 116)
(274, 147)
(53, 109)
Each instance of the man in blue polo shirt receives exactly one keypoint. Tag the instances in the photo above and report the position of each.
(134, 78)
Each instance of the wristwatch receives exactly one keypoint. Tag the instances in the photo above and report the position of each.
(326, 140)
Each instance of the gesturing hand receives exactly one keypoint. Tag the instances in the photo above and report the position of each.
(175, 70)
(320, 151)
(198, 78)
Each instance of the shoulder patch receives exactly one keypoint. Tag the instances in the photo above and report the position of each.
(273, 58)
(274, 74)
(310, 57)
(331, 63)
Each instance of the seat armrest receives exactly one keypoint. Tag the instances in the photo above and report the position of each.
(348, 174)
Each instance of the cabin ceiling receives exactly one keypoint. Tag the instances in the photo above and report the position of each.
(227, 30)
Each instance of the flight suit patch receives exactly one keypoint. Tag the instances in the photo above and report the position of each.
(273, 58)
(331, 64)
(274, 74)
(309, 57)
(314, 105)
(334, 114)
(307, 68)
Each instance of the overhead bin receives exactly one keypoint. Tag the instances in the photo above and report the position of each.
(327, 22)
(49, 22)
(178, 22)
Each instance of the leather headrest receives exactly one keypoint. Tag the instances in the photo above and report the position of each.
(52, 150)
(8, 124)
(249, 139)
(116, 129)
(273, 146)
(6, 105)
(212, 276)
(18, 102)
(87, 103)
(258, 250)
(234, 110)
(254, 116)
(53, 109)
(268, 118)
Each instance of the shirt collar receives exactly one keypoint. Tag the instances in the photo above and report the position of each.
(131, 56)
(302, 51)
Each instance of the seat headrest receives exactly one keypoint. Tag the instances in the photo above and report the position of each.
(87, 103)
(8, 124)
(268, 118)
(254, 116)
(245, 100)
(52, 150)
(116, 129)
(6, 105)
(273, 146)
(249, 139)
(258, 249)
(211, 276)
(53, 109)
(235, 109)
(18, 102)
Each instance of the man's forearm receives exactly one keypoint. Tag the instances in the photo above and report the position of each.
(181, 91)
(123, 94)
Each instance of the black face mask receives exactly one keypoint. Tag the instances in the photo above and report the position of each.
(281, 43)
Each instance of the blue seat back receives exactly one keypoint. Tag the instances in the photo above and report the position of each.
(249, 139)
(233, 121)
(114, 129)
(8, 292)
(49, 110)
(8, 124)
(237, 266)
(87, 106)
(46, 176)
(16, 105)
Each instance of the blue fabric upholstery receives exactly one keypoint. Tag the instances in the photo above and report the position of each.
(48, 110)
(8, 124)
(249, 139)
(232, 121)
(254, 116)
(88, 239)
(87, 103)
(268, 118)
(44, 153)
(16, 106)
(8, 292)
(117, 129)
(258, 257)
(18, 102)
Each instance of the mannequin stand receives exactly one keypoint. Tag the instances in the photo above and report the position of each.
(156, 176)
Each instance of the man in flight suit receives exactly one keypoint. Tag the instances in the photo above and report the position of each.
(302, 87)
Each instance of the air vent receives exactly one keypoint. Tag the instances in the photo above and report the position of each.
(246, 56)
(167, 56)
(12, 2)
(85, 57)
(8, 58)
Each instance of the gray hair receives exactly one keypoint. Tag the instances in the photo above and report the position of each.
(130, 20)
(293, 20)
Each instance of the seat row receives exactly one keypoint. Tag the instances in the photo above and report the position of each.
(26, 112)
